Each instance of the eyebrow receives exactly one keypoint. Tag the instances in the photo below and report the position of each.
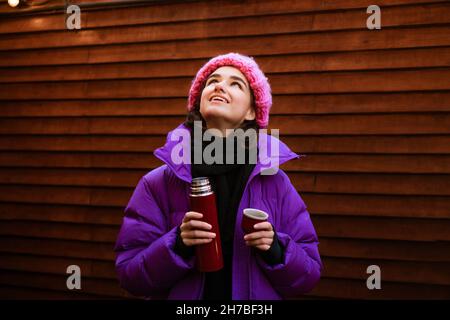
(218, 75)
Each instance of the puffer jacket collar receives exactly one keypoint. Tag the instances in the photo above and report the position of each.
(266, 160)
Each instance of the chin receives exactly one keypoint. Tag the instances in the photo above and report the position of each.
(213, 112)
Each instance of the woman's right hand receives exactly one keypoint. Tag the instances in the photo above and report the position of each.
(195, 231)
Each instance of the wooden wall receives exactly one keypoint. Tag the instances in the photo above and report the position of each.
(82, 111)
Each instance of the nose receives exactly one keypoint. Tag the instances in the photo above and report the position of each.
(218, 87)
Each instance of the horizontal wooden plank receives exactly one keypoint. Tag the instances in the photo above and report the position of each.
(360, 103)
(131, 70)
(333, 61)
(371, 164)
(414, 164)
(384, 249)
(414, 123)
(42, 264)
(397, 250)
(122, 143)
(372, 81)
(357, 289)
(409, 272)
(79, 160)
(66, 195)
(72, 177)
(157, 125)
(166, 87)
(407, 144)
(413, 144)
(294, 83)
(249, 26)
(332, 41)
(390, 184)
(26, 293)
(177, 12)
(101, 287)
(67, 108)
(111, 4)
(379, 206)
(283, 104)
(62, 213)
(66, 231)
(305, 182)
(60, 248)
(415, 228)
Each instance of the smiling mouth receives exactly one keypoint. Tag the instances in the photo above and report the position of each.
(218, 99)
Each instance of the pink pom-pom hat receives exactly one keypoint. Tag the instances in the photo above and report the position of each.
(255, 77)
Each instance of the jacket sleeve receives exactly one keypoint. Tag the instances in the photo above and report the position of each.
(146, 263)
(301, 266)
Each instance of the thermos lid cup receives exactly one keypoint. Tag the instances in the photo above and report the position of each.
(256, 214)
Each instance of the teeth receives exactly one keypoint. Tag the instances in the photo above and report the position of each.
(218, 99)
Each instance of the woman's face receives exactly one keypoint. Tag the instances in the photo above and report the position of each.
(226, 100)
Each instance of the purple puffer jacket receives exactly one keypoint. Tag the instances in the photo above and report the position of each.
(147, 265)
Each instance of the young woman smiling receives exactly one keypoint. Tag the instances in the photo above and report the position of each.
(155, 246)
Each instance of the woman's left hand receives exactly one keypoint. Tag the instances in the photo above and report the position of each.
(261, 239)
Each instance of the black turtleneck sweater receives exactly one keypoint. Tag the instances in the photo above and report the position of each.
(228, 182)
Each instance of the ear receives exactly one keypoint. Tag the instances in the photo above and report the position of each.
(250, 114)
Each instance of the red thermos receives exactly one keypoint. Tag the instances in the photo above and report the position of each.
(203, 200)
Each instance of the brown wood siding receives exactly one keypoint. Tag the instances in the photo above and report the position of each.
(82, 111)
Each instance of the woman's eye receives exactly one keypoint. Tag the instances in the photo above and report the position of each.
(211, 81)
(239, 85)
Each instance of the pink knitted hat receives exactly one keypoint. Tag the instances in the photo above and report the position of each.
(255, 77)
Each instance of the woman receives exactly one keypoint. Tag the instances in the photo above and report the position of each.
(155, 246)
